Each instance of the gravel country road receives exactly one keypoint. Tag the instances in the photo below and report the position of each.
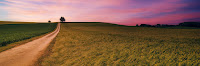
(28, 53)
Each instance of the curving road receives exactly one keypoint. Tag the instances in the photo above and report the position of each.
(28, 53)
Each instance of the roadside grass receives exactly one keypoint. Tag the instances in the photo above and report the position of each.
(102, 44)
(46, 53)
(11, 35)
(9, 46)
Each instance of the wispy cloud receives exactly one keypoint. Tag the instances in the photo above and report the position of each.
(114, 11)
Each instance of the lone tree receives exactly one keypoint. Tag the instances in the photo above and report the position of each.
(49, 21)
(62, 19)
(137, 25)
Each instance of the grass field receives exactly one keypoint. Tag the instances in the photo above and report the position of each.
(101, 44)
(10, 33)
(11, 22)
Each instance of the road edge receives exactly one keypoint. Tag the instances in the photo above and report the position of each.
(19, 43)
(46, 52)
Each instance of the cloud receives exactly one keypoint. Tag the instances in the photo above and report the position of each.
(114, 11)
(168, 19)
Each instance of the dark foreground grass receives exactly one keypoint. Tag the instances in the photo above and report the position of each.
(90, 44)
(12, 22)
(10, 33)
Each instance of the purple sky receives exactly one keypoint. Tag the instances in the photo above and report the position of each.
(125, 12)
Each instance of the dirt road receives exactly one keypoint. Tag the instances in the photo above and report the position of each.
(27, 54)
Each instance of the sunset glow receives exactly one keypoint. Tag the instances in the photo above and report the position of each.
(125, 12)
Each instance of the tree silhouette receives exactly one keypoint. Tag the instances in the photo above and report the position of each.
(137, 25)
(49, 21)
(62, 19)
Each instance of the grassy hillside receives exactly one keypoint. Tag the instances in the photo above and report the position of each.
(10, 33)
(105, 44)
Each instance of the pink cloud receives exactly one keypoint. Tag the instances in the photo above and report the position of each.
(60, 8)
(116, 11)
(168, 19)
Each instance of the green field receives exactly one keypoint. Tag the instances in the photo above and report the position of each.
(102, 44)
(10, 33)
(12, 22)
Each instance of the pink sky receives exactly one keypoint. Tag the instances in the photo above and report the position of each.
(125, 12)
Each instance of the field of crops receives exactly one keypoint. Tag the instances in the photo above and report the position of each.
(10, 22)
(10, 33)
(101, 44)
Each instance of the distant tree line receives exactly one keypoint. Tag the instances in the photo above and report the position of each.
(184, 24)
(190, 24)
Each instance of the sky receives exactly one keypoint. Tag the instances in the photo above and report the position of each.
(124, 12)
